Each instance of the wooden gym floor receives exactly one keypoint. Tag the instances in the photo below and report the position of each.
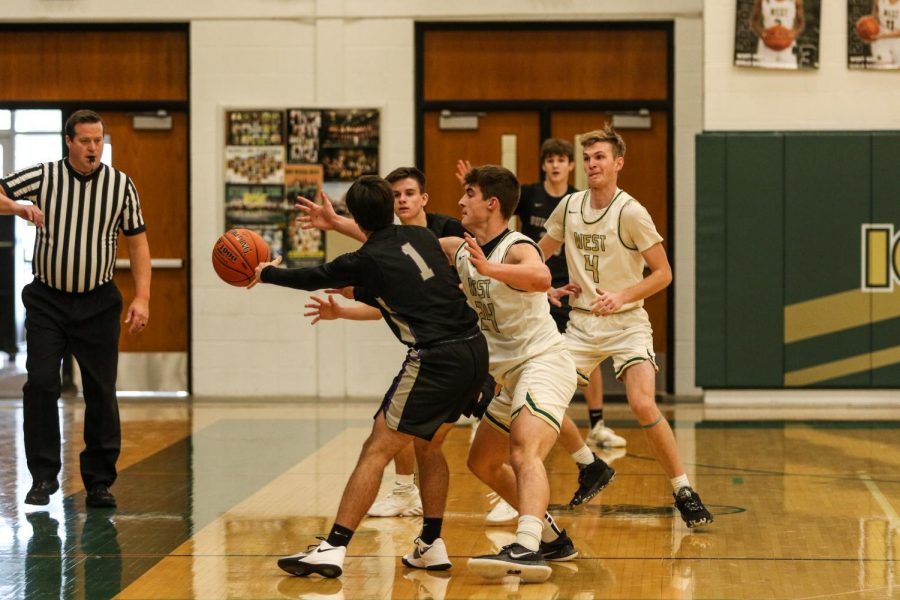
(212, 493)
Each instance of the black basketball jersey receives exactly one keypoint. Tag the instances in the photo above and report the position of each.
(534, 208)
(444, 225)
(402, 271)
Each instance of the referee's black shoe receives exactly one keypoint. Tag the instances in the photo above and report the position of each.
(99, 496)
(592, 479)
(40, 492)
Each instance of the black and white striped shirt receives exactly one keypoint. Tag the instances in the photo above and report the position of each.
(75, 250)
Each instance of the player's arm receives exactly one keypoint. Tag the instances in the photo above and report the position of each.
(799, 20)
(659, 278)
(450, 245)
(323, 217)
(523, 266)
(756, 18)
(347, 269)
(328, 310)
(28, 212)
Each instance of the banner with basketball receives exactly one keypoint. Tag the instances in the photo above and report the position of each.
(873, 34)
(777, 34)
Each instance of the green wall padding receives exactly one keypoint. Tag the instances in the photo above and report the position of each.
(779, 222)
(828, 183)
(710, 252)
(754, 260)
(886, 209)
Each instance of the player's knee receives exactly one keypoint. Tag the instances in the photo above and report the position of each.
(644, 408)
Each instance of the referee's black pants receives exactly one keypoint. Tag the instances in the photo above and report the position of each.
(88, 326)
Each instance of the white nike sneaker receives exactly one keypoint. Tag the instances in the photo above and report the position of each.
(502, 512)
(325, 560)
(398, 504)
(603, 436)
(430, 557)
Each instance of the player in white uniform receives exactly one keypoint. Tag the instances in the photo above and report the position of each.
(505, 280)
(769, 13)
(609, 238)
(886, 45)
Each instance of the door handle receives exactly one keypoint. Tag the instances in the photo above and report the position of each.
(155, 263)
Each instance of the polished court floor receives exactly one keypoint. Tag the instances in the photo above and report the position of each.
(212, 493)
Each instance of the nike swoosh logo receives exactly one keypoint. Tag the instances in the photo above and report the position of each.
(325, 549)
(524, 554)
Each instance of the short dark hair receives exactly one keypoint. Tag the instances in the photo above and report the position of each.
(557, 147)
(407, 173)
(496, 182)
(81, 116)
(605, 134)
(371, 202)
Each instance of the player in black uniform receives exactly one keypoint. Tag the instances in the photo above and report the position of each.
(402, 272)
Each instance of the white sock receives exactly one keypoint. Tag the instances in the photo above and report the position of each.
(405, 483)
(528, 533)
(680, 482)
(584, 456)
(551, 530)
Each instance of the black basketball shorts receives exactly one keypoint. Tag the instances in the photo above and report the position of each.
(435, 385)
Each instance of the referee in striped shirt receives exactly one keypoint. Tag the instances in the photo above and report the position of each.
(78, 205)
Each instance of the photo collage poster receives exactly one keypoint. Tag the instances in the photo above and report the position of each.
(873, 34)
(777, 34)
(273, 156)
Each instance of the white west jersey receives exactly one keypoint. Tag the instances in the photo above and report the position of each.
(888, 16)
(516, 323)
(779, 12)
(603, 247)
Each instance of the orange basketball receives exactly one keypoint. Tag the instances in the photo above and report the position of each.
(778, 37)
(867, 28)
(236, 254)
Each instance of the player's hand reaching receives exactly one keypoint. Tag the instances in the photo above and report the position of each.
(606, 303)
(322, 310)
(259, 269)
(462, 168)
(477, 257)
(316, 216)
(555, 295)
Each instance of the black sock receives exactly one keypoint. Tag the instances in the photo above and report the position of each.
(595, 416)
(339, 536)
(431, 529)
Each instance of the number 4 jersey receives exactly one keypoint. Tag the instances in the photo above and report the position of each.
(603, 246)
(516, 323)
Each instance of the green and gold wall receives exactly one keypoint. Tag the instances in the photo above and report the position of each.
(798, 260)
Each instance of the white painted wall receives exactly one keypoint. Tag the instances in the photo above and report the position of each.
(263, 53)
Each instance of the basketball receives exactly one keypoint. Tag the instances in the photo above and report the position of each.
(867, 28)
(778, 37)
(236, 254)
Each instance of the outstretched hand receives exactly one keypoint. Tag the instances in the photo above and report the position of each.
(476, 256)
(316, 216)
(555, 295)
(259, 269)
(462, 168)
(322, 310)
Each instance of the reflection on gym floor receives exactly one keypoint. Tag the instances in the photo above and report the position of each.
(212, 493)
